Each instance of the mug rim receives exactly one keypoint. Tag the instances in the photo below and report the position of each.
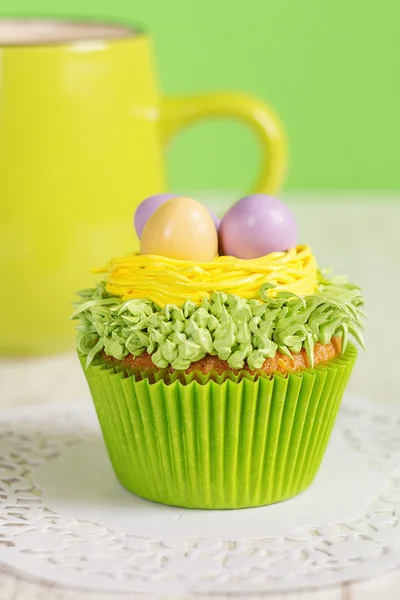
(133, 30)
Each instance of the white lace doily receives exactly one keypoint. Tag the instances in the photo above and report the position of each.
(65, 518)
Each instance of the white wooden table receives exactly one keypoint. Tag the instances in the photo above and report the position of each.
(359, 235)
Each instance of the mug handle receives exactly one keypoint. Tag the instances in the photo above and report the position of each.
(179, 112)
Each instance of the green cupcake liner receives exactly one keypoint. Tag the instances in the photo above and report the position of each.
(218, 445)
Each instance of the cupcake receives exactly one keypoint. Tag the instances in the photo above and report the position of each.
(217, 377)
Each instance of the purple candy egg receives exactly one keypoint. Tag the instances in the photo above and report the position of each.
(150, 205)
(257, 225)
(146, 209)
(217, 220)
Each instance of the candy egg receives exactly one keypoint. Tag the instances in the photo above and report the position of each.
(146, 209)
(182, 229)
(217, 220)
(150, 204)
(257, 225)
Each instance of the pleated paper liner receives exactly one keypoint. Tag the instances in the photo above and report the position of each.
(229, 444)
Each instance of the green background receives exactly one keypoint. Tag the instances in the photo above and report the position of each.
(330, 68)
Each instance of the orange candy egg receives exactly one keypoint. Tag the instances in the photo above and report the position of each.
(181, 229)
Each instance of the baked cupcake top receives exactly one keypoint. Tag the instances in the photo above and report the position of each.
(179, 300)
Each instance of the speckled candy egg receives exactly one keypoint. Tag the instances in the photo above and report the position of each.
(182, 229)
(257, 225)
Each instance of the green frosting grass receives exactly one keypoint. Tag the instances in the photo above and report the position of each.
(236, 330)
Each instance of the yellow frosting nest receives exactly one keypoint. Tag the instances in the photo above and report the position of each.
(168, 281)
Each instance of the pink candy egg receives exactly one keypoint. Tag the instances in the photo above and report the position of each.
(257, 225)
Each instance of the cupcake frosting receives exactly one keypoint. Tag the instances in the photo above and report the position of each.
(241, 310)
(167, 281)
(235, 329)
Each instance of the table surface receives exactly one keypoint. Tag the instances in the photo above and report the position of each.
(356, 233)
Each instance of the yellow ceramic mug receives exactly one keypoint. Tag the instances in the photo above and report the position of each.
(82, 136)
